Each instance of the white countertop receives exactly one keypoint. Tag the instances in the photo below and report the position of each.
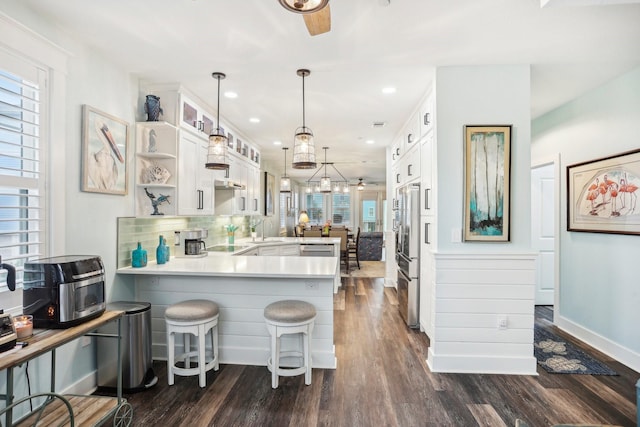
(228, 265)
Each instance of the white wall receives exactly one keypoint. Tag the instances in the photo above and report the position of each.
(82, 223)
(482, 95)
(599, 296)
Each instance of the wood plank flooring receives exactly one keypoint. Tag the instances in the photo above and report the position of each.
(382, 380)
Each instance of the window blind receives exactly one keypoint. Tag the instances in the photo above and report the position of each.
(21, 180)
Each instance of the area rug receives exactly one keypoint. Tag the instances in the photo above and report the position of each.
(367, 269)
(558, 356)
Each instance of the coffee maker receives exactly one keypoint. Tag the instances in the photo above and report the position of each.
(190, 243)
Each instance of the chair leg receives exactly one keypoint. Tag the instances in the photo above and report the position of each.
(275, 359)
(170, 357)
(202, 361)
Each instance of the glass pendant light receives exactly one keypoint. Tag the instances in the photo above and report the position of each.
(325, 181)
(304, 149)
(285, 181)
(217, 150)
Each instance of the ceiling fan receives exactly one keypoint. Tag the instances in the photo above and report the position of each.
(316, 14)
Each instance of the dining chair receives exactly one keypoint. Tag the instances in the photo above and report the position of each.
(344, 253)
(312, 233)
(352, 249)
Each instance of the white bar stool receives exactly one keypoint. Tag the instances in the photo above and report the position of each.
(192, 317)
(290, 317)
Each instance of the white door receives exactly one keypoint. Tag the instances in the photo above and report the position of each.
(543, 230)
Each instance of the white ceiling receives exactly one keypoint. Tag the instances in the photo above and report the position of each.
(259, 45)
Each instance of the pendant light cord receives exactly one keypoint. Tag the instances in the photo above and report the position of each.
(303, 112)
(218, 109)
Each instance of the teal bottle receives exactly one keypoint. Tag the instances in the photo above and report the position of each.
(161, 251)
(167, 252)
(139, 257)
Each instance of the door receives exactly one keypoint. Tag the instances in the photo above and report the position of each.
(370, 211)
(543, 199)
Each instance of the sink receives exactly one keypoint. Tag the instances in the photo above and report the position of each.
(259, 241)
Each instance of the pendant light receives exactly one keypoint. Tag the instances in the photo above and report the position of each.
(304, 150)
(325, 181)
(285, 181)
(217, 150)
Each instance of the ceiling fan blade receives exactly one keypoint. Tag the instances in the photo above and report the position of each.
(318, 22)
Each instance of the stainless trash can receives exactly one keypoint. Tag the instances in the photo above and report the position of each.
(135, 349)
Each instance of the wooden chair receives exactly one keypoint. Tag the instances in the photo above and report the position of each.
(344, 253)
(352, 249)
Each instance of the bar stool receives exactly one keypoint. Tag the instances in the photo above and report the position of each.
(290, 317)
(192, 317)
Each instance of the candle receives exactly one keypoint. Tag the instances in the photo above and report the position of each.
(23, 325)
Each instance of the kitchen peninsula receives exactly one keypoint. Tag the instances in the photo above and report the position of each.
(242, 285)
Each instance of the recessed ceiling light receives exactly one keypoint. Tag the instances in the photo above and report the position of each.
(370, 141)
(388, 90)
(231, 95)
(254, 120)
(277, 142)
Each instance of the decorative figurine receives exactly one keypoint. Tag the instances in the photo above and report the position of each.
(152, 108)
(155, 202)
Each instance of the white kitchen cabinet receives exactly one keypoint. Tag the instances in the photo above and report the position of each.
(411, 133)
(397, 150)
(156, 167)
(427, 115)
(408, 169)
(195, 118)
(253, 190)
(279, 250)
(427, 280)
(426, 176)
(195, 184)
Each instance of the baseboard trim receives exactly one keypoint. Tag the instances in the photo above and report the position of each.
(618, 352)
(451, 363)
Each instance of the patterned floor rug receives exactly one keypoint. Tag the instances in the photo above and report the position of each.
(558, 356)
(367, 269)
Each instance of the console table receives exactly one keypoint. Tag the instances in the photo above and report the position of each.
(82, 410)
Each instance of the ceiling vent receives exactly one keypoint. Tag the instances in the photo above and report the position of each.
(378, 125)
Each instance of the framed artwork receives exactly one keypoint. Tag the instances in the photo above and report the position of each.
(105, 142)
(269, 193)
(602, 194)
(487, 183)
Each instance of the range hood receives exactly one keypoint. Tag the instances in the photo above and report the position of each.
(228, 185)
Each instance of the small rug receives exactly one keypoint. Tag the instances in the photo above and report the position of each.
(367, 269)
(558, 356)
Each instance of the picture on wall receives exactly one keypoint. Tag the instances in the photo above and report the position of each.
(487, 183)
(105, 140)
(269, 193)
(602, 194)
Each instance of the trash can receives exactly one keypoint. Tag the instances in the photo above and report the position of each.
(135, 349)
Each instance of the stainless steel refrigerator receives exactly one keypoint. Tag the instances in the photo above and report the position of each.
(408, 253)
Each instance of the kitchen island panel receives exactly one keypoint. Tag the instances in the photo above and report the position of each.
(243, 335)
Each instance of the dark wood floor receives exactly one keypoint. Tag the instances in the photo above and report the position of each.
(382, 380)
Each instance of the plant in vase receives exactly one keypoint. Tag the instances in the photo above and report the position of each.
(253, 225)
(231, 229)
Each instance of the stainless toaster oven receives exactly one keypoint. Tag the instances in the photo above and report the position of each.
(64, 291)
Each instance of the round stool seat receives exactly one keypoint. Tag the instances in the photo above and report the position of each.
(198, 318)
(289, 311)
(290, 317)
(191, 310)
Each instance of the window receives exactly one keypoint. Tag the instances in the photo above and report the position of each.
(335, 206)
(21, 176)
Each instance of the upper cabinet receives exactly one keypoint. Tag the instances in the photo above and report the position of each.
(427, 115)
(199, 191)
(156, 168)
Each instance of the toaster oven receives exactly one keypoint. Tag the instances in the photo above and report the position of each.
(64, 291)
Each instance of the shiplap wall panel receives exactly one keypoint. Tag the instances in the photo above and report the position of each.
(471, 293)
(243, 336)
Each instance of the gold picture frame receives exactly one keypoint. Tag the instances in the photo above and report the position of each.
(105, 144)
(602, 194)
(487, 183)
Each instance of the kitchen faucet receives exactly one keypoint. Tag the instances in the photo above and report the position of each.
(263, 223)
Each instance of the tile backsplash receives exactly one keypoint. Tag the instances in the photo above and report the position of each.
(145, 230)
